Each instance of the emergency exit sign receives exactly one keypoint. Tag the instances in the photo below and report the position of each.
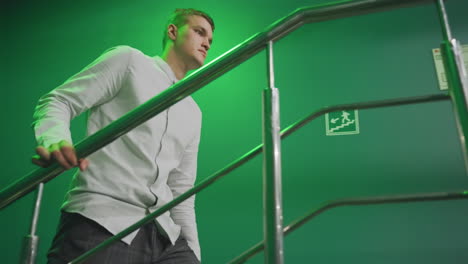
(342, 123)
(439, 66)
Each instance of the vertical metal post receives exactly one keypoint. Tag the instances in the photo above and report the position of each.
(272, 201)
(457, 78)
(31, 241)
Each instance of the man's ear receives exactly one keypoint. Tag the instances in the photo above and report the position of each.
(172, 31)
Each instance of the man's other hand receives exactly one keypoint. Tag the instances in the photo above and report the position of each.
(62, 152)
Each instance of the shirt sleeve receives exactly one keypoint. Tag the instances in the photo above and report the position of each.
(181, 180)
(94, 85)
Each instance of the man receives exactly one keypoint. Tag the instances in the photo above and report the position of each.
(142, 170)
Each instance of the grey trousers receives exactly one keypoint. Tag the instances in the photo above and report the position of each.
(77, 234)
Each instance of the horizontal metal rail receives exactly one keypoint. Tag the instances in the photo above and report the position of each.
(200, 78)
(254, 152)
(405, 198)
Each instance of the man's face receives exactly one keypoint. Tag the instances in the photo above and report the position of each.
(193, 41)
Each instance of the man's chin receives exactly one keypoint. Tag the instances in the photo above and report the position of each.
(197, 63)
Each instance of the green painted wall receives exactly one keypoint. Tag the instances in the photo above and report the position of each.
(408, 149)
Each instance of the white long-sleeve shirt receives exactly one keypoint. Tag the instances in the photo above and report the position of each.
(143, 169)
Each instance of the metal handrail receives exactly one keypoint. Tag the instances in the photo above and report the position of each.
(198, 79)
(401, 198)
(272, 189)
(457, 78)
(257, 150)
(31, 241)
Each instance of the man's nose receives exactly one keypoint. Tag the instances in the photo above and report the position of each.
(206, 45)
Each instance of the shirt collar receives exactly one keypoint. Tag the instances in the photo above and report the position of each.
(166, 68)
